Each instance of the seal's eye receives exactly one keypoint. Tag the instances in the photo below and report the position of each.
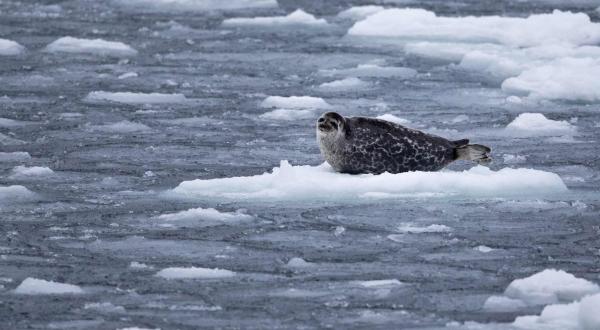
(321, 120)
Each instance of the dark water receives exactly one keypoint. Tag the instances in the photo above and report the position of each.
(93, 217)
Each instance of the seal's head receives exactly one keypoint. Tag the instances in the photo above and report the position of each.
(330, 124)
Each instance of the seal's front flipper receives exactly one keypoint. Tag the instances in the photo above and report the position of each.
(475, 152)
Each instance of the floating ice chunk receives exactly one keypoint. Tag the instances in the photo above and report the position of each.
(134, 98)
(380, 284)
(394, 119)
(10, 48)
(288, 114)
(539, 29)
(298, 17)
(127, 75)
(372, 70)
(15, 193)
(579, 315)
(588, 315)
(339, 230)
(193, 5)
(296, 262)
(503, 304)
(194, 272)
(536, 124)
(344, 84)
(32, 286)
(23, 172)
(295, 102)
(123, 126)
(7, 140)
(17, 156)
(412, 229)
(105, 307)
(203, 217)
(483, 249)
(90, 46)
(565, 78)
(550, 286)
(323, 183)
(359, 12)
(139, 265)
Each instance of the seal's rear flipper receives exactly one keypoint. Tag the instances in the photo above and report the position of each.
(475, 152)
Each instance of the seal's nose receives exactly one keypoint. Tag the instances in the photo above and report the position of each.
(321, 120)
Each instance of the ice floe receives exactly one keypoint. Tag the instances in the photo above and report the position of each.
(10, 48)
(288, 114)
(201, 217)
(15, 193)
(323, 183)
(410, 228)
(193, 5)
(543, 56)
(90, 46)
(372, 70)
(359, 12)
(17, 156)
(23, 172)
(123, 126)
(134, 98)
(393, 119)
(571, 302)
(105, 307)
(380, 284)
(344, 84)
(536, 124)
(297, 262)
(295, 102)
(34, 286)
(298, 17)
(194, 273)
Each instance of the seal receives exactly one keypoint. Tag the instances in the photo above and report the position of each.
(358, 145)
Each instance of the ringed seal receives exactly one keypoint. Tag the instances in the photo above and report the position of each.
(358, 145)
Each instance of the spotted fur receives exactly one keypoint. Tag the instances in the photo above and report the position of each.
(368, 145)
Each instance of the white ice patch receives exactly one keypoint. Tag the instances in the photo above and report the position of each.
(536, 124)
(483, 249)
(288, 114)
(123, 127)
(17, 156)
(408, 228)
(540, 29)
(90, 46)
(295, 102)
(513, 159)
(23, 172)
(10, 48)
(380, 284)
(134, 98)
(344, 84)
(321, 182)
(297, 262)
(298, 17)
(34, 286)
(393, 119)
(372, 70)
(139, 265)
(7, 140)
(15, 193)
(200, 217)
(194, 5)
(543, 56)
(194, 273)
(578, 315)
(359, 12)
(104, 307)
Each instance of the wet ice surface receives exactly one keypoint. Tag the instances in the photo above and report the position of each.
(85, 173)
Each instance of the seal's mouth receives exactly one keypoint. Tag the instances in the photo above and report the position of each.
(325, 127)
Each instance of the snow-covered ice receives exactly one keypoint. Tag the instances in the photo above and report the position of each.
(297, 262)
(350, 83)
(34, 286)
(135, 98)
(10, 48)
(378, 284)
(359, 12)
(536, 124)
(202, 217)
(321, 182)
(15, 193)
(298, 17)
(410, 228)
(16, 156)
(90, 46)
(288, 114)
(24, 172)
(295, 102)
(123, 127)
(194, 273)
